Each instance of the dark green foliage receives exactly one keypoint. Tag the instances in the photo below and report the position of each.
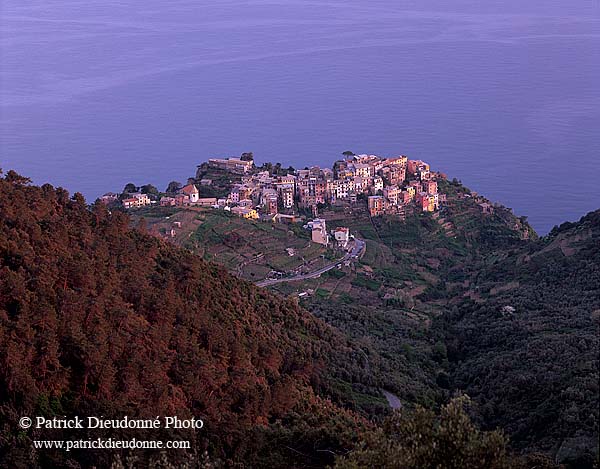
(366, 282)
(149, 189)
(395, 349)
(527, 352)
(335, 273)
(129, 188)
(173, 187)
(420, 440)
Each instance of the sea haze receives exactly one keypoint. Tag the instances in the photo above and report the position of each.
(504, 95)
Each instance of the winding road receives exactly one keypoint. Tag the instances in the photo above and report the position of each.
(357, 250)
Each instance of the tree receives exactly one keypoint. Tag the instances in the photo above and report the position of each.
(15, 178)
(422, 440)
(247, 156)
(142, 225)
(173, 187)
(439, 352)
(129, 188)
(348, 153)
(149, 189)
(91, 312)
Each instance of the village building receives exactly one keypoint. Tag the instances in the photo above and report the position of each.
(376, 205)
(132, 202)
(192, 192)
(245, 212)
(109, 197)
(311, 191)
(319, 231)
(342, 188)
(269, 201)
(416, 186)
(430, 187)
(392, 194)
(363, 170)
(287, 179)
(342, 236)
(207, 202)
(246, 203)
(327, 174)
(361, 184)
(377, 184)
(286, 195)
(396, 174)
(423, 174)
(414, 166)
(233, 165)
(422, 201)
(181, 200)
(234, 196)
(136, 200)
(143, 199)
(434, 203)
(345, 172)
(486, 208)
(167, 201)
(427, 202)
(287, 219)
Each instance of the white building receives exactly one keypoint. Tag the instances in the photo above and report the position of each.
(143, 199)
(286, 192)
(377, 184)
(192, 192)
(319, 231)
(342, 236)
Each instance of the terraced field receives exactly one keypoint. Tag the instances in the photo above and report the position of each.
(251, 249)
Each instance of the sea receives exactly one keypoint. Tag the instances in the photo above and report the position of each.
(501, 94)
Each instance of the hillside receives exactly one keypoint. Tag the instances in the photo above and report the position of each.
(100, 319)
(386, 302)
(249, 249)
(523, 342)
(426, 299)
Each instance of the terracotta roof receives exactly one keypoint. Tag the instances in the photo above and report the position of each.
(190, 189)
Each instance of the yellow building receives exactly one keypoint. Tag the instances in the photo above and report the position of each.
(431, 204)
(245, 212)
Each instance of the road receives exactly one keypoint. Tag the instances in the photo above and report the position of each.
(393, 400)
(357, 250)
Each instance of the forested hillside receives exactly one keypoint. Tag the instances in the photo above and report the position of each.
(100, 319)
(468, 301)
(524, 342)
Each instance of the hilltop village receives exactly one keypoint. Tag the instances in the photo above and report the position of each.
(271, 193)
(389, 185)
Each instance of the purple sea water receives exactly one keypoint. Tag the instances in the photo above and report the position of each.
(504, 95)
